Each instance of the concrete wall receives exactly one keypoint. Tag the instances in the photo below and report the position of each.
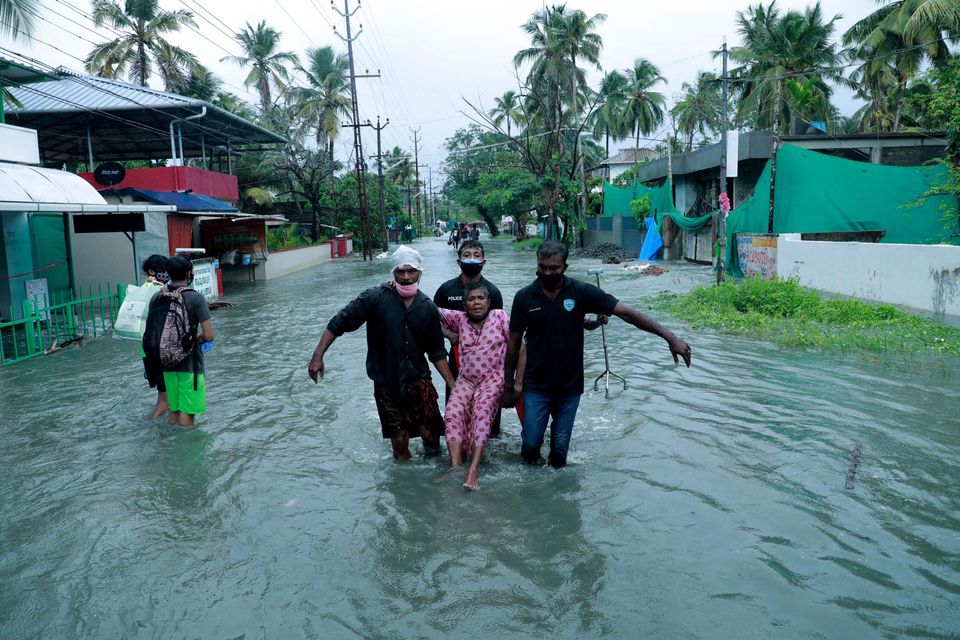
(600, 229)
(289, 260)
(99, 258)
(925, 277)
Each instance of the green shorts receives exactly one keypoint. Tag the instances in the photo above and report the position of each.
(181, 394)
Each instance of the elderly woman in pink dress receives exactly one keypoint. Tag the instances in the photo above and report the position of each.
(476, 396)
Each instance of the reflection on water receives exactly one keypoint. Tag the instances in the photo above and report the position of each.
(700, 503)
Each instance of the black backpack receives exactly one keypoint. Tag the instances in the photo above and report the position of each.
(168, 323)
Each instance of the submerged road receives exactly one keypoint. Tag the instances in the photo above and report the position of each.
(700, 503)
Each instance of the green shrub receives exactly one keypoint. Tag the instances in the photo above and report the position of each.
(790, 315)
(286, 237)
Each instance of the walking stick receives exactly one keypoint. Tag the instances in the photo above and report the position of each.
(607, 372)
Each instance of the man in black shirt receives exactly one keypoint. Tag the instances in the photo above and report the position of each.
(450, 295)
(402, 325)
(551, 313)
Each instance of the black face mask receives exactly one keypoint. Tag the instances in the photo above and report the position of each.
(471, 269)
(549, 280)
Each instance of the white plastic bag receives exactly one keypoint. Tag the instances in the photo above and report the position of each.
(132, 317)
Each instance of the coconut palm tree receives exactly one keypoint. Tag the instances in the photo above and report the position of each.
(559, 40)
(268, 66)
(507, 110)
(892, 44)
(18, 17)
(699, 109)
(644, 108)
(200, 83)
(607, 119)
(234, 104)
(775, 47)
(326, 99)
(398, 165)
(141, 45)
(923, 23)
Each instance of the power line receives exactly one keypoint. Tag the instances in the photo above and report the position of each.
(96, 87)
(295, 23)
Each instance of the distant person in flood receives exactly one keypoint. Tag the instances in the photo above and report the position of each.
(550, 313)
(170, 342)
(455, 237)
(403, 324)
(475, 399)
(155, 268)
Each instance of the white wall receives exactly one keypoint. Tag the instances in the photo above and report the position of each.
(289, 260)
(19, 145)
(99, 258)
(925, 277)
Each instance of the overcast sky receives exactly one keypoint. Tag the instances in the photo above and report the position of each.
(432, 54)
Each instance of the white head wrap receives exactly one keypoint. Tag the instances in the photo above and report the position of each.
(404, 255)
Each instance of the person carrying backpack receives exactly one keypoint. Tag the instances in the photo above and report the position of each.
(171, 343)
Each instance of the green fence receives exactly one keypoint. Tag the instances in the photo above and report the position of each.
(58, 320)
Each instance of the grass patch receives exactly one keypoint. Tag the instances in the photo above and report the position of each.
(530, 244)
(789, 315)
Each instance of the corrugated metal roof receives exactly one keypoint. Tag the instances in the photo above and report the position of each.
(76, 92)
(631, 156)
(124, 121)
(21, 70)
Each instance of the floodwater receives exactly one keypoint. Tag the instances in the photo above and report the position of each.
(700, 503)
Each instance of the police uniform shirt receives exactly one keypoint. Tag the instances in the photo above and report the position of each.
(451, 294)
(554, 331)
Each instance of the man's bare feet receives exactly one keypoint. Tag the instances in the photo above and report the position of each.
(159, 410)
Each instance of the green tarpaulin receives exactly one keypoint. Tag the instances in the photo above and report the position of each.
(690, 225)
(817, 193)
(616, 202)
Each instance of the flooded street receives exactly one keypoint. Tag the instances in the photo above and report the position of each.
(700, 503)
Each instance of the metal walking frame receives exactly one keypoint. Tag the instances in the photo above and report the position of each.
(607, 372)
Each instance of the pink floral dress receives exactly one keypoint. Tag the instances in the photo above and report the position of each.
(476, 396)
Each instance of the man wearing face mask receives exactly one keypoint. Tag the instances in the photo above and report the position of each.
(402, 325)
(551, 313)
(450, 295)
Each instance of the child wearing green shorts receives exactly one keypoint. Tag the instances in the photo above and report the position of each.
(186, 391)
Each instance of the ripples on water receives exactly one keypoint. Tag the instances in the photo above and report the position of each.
(701, 503)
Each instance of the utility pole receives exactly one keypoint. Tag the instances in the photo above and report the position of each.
(774, 147)
(416, 168)
(722, 224)
(346, 14)
(432, 206)
(379, 157)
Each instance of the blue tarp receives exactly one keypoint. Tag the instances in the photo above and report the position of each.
(652, 243)
(191, 202)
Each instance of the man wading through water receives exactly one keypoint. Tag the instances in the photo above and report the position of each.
(551, 313)
(402, 325)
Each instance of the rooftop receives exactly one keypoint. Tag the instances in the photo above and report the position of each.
(756, 145)
(79, 115)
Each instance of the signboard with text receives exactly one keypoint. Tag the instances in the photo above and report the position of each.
(205, 279)
(757, 254)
